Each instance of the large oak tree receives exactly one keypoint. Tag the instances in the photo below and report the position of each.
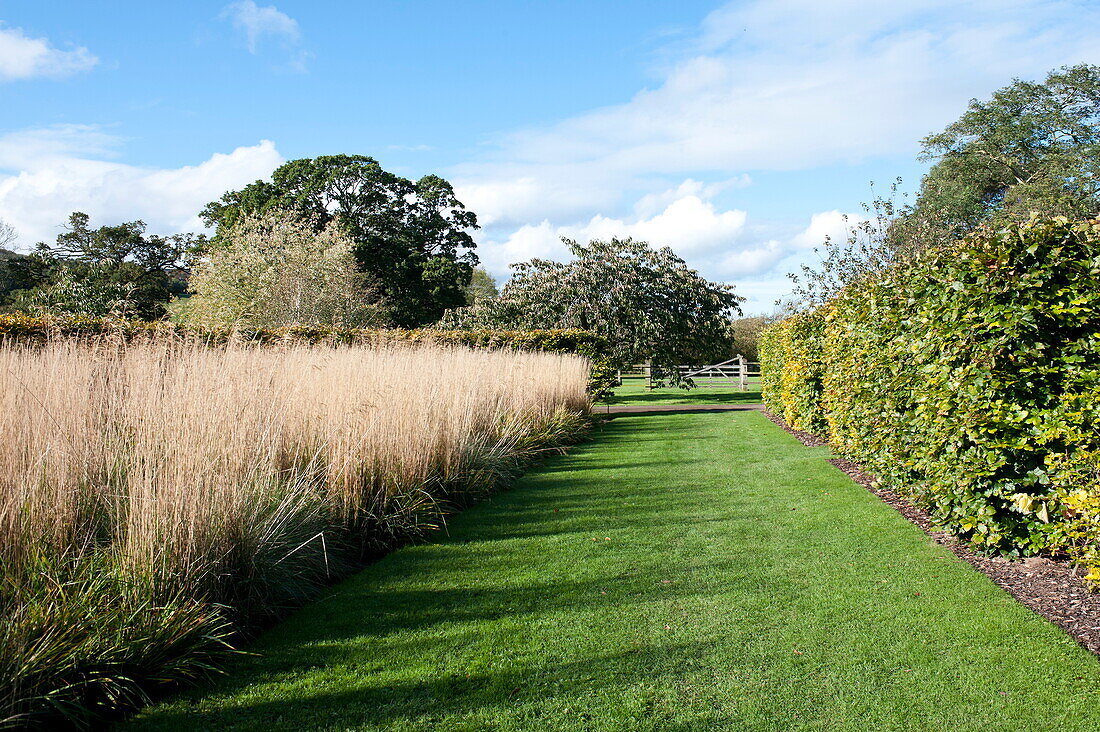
(412, 239)
(1030, 148)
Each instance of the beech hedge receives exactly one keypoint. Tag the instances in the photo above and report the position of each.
(24, 328)
(967, 380)
(794, 392)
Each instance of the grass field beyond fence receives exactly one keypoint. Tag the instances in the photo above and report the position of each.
(158, 496)
(635, 391)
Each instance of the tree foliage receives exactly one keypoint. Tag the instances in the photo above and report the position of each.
(111, 270)
(482, 286)
(274, 270)
(1031, 148)
(9, 262)
(411, 239)
(745, 335)
(647, 302)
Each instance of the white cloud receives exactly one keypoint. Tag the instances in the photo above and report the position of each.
(39, 148)
(511, 200)
(761, 293)
(259, 22)
(693, 226)
(760, 268)
(752, 260)
(23, 57)
(760, 257)
(56, 171)
(764, 86)
(832, 225)
(651, 203)
(779, 85)
(719, 243)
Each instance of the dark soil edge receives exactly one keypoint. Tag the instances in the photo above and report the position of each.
(1052, 588)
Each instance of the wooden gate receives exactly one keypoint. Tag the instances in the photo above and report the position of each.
(735, 372)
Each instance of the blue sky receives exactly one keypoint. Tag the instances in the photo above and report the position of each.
(737, 133)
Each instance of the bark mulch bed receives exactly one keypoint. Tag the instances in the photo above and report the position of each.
(1052, 588)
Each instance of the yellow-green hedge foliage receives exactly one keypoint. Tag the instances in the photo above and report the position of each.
(793, 371)
(773, 355)
(968, 380)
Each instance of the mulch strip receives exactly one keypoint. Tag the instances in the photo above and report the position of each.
(1052, 588)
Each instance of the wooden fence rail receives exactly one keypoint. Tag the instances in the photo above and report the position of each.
(735, 372)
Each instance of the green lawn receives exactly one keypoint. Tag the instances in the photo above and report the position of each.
(633, 391)
(678, 572)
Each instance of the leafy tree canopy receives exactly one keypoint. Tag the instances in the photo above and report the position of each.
(411, 239)
(275, 270)
(482, 286)
(111, 270)
(1031, 148)
(647, 302)
(9, 272)
(745, 335)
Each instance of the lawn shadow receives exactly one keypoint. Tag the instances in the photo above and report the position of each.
(682, 396)
(370, 701)
(380, 614)
(622, 410)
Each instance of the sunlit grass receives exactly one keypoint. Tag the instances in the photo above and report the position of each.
(678, 572)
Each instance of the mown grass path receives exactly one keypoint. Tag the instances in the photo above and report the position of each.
(678, 572)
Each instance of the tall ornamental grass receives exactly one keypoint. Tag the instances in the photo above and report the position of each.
(158, 497)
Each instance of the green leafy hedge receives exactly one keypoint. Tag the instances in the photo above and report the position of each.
(795, 391)
(581, 342)
(968, 380)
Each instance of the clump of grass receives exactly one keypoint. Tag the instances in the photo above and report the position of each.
(81, 642)
(157, 496)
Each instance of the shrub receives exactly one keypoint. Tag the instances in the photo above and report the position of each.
(774, 341)
(277, 269)
(647, 302)
(794, 391)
